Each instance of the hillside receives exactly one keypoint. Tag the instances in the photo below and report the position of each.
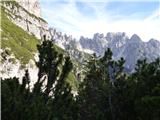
(21, 44)
(29, 22)
(18, 48)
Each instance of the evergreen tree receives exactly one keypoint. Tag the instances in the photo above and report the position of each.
(48, 63)
(147, 100)
(64, 107)
(97, 95)
(88, 100)
(56, 88)
(26, 81)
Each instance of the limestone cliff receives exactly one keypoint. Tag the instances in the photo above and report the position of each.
(26, 15)
(32, 6)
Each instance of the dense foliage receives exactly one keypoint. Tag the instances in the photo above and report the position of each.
(106, 93)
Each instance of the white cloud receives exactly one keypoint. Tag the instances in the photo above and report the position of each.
(68, 19)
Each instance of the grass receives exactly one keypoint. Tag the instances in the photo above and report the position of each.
(72, 80)
(19, 41)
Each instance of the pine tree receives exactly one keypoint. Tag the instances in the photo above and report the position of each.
(57, 91)
(102, 89)
(147, 100)
(64, 107)
(49, 60)
(89, 102)
(26, 81)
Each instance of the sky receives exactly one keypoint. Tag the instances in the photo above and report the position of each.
(81, 18)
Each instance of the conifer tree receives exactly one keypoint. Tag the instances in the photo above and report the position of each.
(89, 102)
(26, 81)
(64, 107)
(57, 93)
(147, 100)
(99, 92)
(48, 63)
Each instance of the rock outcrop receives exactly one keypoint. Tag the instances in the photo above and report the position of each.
(12, 67)
(32, 6)
(26, 15)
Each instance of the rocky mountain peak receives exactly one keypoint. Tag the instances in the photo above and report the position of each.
(153, 41)
(98, 36)
(135, 38)
(112, 36)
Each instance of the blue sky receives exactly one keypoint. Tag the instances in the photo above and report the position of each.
(78, 17)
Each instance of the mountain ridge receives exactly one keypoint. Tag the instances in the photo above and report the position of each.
(131, 49)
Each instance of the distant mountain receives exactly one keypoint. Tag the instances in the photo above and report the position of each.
(131, 49)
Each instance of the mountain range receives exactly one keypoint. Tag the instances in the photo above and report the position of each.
(131, 49)
(23, 27)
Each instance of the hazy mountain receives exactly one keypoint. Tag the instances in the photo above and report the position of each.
(131, 49)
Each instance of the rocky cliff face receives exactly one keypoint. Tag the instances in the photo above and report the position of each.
(32, 6)
(69, 44)
(12, 67)
(26, 15)
(131, 49)
(17, 41)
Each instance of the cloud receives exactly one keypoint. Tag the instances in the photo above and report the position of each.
(70, 19)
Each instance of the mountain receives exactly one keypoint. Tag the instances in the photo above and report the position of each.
(22, 28)
(18, 47)
(131, 49)
(26, 16)
(21, 31)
